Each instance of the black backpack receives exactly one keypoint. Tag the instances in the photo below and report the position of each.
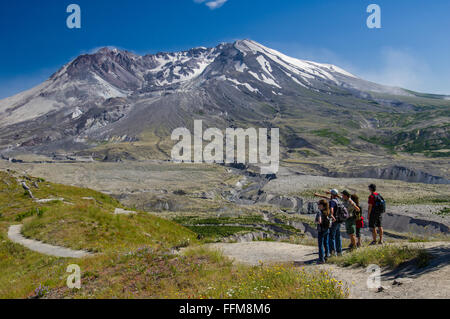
(380, 204)
(326, 222)
(341, 213)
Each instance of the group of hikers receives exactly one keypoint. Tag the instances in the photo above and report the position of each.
(336, 209)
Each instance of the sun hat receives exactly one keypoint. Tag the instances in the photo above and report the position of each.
(334, 192)
(346, 193)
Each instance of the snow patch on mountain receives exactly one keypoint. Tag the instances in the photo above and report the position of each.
(269, 81)
(296, 80)
(246, 85)
(240, 67)
(265, 65)
(300, 67)
(77, 113)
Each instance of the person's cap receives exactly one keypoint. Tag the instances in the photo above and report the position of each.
(346, 193)
(334, 192)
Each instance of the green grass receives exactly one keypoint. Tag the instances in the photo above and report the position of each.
(385, 256)
(335, 137)
(378, 141)
(427, 140)
(218, 232)
(84, 226)
(196, 220)
(197, 274)
(275, 281)
(395, 192)
(444, 212)
(437, 154)
(31, 212)
(418, 240)
(134, 256)
(217, 228)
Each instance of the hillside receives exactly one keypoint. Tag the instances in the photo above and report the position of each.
(115, 105)
(133, 255)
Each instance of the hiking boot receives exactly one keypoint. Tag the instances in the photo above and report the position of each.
(321, 262)
(380, 242)
(373, 243)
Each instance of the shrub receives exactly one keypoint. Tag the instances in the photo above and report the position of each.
(31, 212)
(41, 291)
(385, 256)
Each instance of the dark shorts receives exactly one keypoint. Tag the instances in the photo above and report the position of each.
(350, 226)
(375, 220)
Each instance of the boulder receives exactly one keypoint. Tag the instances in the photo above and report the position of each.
(312, 208)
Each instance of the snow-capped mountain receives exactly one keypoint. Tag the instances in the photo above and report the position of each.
(116, 95)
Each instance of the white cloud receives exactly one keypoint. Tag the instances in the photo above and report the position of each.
(212, 4)
(400, 68)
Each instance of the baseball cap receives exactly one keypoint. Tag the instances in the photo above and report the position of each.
(334, 192)
(346, 193)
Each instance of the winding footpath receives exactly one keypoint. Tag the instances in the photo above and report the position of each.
(15, 235)
(407, 282)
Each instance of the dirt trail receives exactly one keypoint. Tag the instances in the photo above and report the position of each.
(407, 282)
(14, 234)
(251, 253)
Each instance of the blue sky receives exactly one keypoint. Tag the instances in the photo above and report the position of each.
(411, 50)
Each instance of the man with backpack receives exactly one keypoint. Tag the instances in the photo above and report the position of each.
(377, 206)
(338, 214)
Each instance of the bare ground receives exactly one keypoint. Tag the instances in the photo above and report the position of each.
(406, 282)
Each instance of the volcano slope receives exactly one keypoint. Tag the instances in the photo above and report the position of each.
(115, 105)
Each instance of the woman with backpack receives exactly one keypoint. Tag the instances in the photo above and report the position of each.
(359, 220)
(323, 221)
(335, 206)
(350, 222)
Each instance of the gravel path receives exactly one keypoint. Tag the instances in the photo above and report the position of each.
(251, 253)
(14, 234)
(407, 282)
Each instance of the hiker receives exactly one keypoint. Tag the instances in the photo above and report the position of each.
(350, 223)
(377, 206)
(359, 220)
(323, 221)
(335, 230)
